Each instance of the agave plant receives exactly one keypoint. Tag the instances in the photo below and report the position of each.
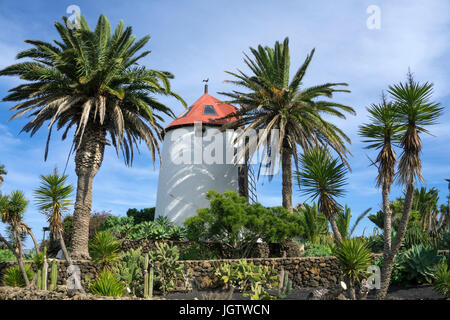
(107, 284)
(354, 256)
(441, 281)
(418, 263)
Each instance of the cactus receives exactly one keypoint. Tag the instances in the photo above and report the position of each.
(39, 280)
(44, 271)
(53, 275)
(285, 285)
(150, 283)
(146, 288)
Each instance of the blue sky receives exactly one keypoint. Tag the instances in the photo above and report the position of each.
(201, 39)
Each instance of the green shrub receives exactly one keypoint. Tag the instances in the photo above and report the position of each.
(414, 236)
(104, 249)
(441, 279)
(139, 216)
(160, 229)
(107, 284)
(168, 272)
(417, 264)
(196, 251)
(230, 219)
(376, 243)
(13, 276)
(397, 276)
(7, 255)
(317, 250)
(242, 275)
(130, 269)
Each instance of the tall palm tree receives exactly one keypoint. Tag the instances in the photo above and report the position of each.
(12, 208)
(89, 81)
(274, 102)
(53, 199)
(3, 172)
(324, 178)
(415, 111)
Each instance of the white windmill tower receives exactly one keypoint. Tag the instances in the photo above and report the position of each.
(192, 163)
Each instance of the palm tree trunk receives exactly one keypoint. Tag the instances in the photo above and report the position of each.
(88, 159)
(286, 168)
(336, 232)
(36, 245)
(388, 263)
(63, 247)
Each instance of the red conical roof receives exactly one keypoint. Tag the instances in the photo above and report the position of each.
(197, 112)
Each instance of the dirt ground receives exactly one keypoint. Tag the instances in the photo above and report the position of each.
(422, 292)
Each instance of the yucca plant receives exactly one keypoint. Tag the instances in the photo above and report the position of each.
(354, 256)
(324, 178)
(53, 199)
(14, 278)
(91, 80)
(104, 249)
(107, 284)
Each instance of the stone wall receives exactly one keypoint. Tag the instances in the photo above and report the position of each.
(304, 272)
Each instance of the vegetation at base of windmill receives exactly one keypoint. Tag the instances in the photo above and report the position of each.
(168, 271)
(313, 223)
(354, 257)
(231, 220)
(275, 101)
(90, 80)
(258, 293)
(197, 251)
(13, 276)
(104, 249)
(7, 255)
(441, 279)
(323, 177)
(242, 274)
(130, 269)
(160, 229)
(146, 214)
(107, 284)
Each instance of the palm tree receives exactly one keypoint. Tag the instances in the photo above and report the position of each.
(324, 178)
(3, 172)
(53, 198)
(272, 102)
(382, 133)
(12, 208)
(343, 218)
(313, 223)
(415, 111)
(90, 81)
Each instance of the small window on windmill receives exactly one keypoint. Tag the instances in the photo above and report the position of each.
(209, 110)
(185, 113)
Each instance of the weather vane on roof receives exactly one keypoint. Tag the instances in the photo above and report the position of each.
(206, 84)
